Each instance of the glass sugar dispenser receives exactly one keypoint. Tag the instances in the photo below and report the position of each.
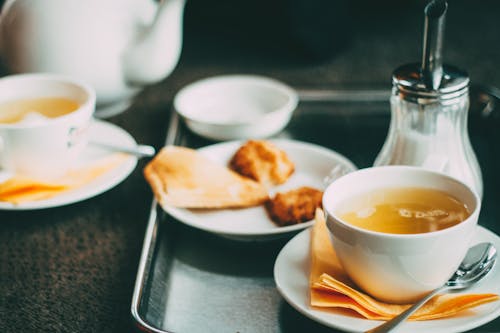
(429, 110)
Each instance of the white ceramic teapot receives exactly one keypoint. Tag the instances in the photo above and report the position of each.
(117, 46)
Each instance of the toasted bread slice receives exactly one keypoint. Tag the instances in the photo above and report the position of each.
(183, 177)
(262, 161)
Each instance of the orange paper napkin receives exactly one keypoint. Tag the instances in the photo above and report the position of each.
(330, 287)
(20, 189)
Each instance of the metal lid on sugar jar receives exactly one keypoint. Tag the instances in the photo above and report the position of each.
(409, 83)
(431, 81)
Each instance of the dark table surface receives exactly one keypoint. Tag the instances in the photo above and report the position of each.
(72, 268)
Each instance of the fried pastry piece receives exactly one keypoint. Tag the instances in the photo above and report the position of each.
(262, 161)
(295, 206)
(183, 177)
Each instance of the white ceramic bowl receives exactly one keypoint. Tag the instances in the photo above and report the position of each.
(236, 106)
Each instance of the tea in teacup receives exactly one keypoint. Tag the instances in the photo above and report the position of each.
(400, 267)
(33, 109)
(405, 210)
(44, 121)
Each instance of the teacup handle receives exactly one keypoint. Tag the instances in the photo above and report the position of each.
(1, 154)
(4, 175)
(76, 135)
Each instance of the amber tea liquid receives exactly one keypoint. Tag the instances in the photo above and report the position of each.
(404, 210)
(15, 111)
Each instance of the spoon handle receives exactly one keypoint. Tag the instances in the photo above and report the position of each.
(138, 151)
(388, 326)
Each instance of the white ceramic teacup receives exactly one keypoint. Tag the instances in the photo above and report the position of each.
(398, 268)
(47, 147)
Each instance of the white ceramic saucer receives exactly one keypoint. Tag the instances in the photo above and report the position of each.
(100, 131)
(291, 274)
(312, 164)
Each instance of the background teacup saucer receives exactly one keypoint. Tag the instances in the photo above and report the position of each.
(100, 131)
(291, 274)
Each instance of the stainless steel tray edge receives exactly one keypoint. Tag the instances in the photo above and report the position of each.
(149, 246)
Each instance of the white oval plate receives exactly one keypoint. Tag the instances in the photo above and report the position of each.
(312, 164)
(291, 274)
(100, 131)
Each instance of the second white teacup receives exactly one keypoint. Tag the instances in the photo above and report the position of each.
(398, 268)
(38, 138)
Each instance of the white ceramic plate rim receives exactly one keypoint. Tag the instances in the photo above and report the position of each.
(99, 130)
(292, 281)
(230, 147)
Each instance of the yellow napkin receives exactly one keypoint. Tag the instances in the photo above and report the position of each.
(20, 189)
(330, 287)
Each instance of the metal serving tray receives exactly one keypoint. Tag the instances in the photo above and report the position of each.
(193, 281)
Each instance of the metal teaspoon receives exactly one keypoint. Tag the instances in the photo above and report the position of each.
(477, 263)
(138, 151)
